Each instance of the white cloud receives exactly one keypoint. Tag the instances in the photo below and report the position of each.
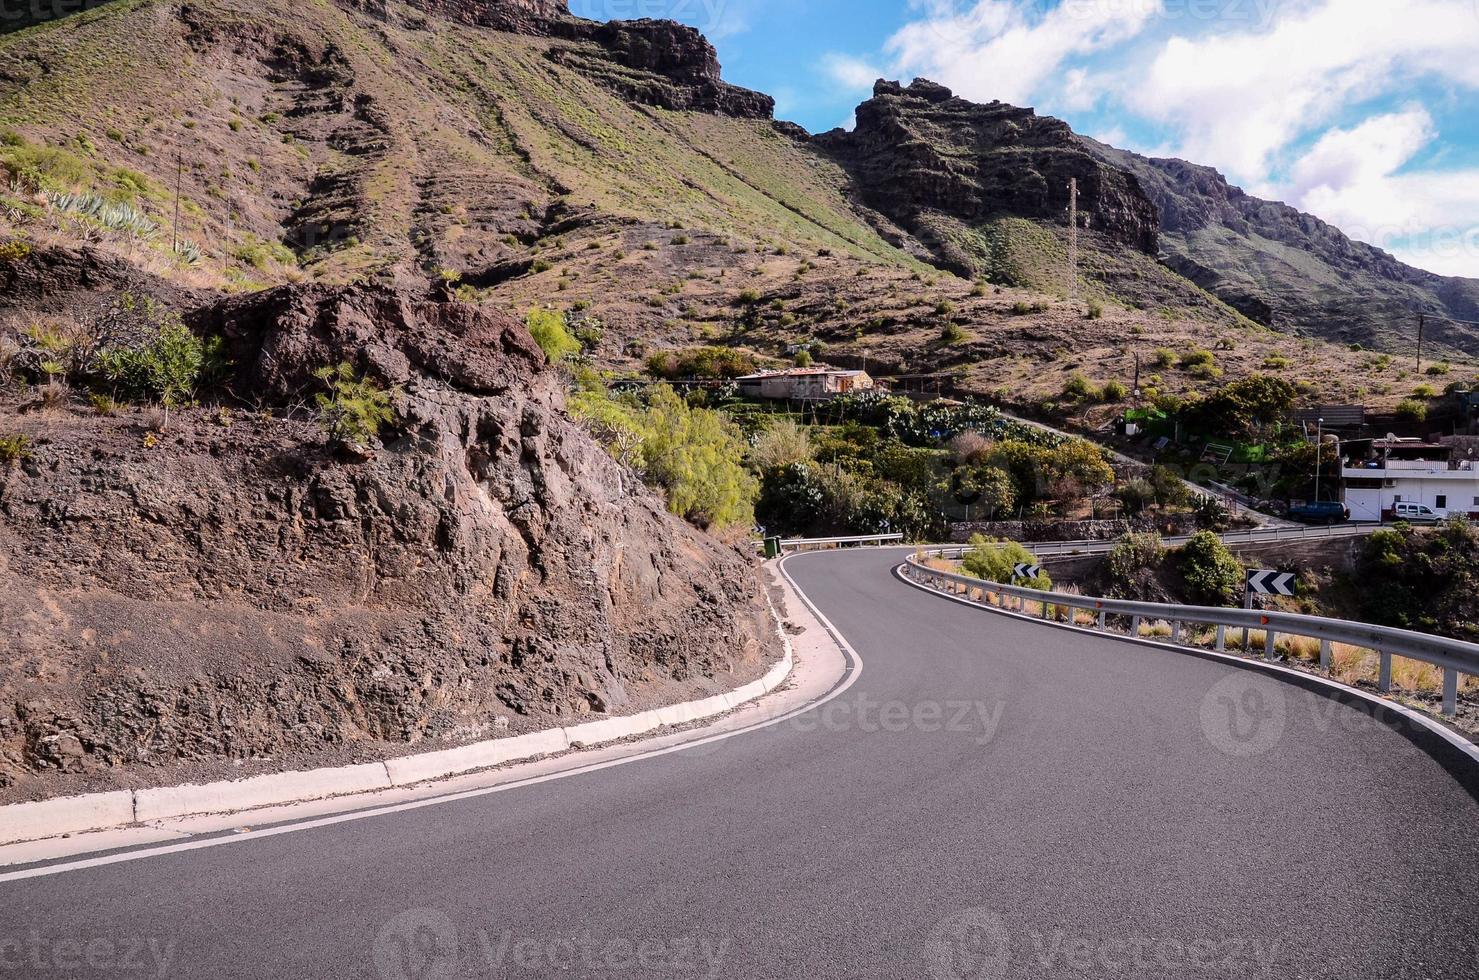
(1354, 179)
(1238, 99)
(999, 49)
(850, 72)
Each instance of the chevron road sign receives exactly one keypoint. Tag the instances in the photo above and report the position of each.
(1027, 571)
(1266, 582)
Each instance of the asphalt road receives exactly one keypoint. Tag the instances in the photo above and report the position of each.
(991, 799)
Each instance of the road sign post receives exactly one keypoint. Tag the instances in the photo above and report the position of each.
(1260, 582)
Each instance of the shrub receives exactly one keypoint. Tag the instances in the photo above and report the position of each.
(1114, 391)
(1212, 574)
(944, 308)
(1439, 369)
(952, 334)
(1412, 410)
(700, 362)
(1275, 362)
(1425, 391)
(803, 358)
(781, 444)
(550, 332)
(1196, 357)
(1133, 565)
(1163, 357)
(996, 560)
(1079, 388)
(1211, 513)
(1095, 310)
(748, 297)
(165, 366)
(354, 408)
(988, 486)
(14, 448)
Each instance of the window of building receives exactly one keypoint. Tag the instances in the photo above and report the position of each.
(1442, 501)
(1396, 498)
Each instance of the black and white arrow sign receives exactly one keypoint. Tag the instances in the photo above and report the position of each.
(1266, 582)
(1027, 571)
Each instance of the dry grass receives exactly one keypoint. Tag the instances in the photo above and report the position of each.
(1351, 665)
(1305, 648)
(1157, 630)
(1414, 675)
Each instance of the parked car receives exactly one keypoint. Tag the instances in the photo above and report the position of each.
(1320, 512)
(1410, 511)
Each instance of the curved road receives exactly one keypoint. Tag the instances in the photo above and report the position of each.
(991, 799)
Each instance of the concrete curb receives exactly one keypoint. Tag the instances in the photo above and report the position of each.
(105, 811)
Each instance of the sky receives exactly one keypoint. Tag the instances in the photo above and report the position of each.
(1362, 112)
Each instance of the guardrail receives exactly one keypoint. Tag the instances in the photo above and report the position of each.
(1063, 549)
(860, 539)
(1453, 656)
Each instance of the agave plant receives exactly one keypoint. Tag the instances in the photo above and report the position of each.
(119, 216)
(188, 251)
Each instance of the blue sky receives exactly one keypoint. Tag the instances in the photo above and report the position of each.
(1363, 112)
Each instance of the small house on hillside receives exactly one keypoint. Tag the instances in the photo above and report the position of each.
(804, 384)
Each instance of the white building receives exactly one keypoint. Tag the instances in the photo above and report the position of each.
(1378, 474)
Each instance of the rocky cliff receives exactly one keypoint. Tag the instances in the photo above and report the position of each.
(230, 595)
(942, 166)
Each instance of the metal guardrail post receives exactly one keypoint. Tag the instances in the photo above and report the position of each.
(1176, 632)
(1221, 638)
(1384, 681)
(1135, 627)
(1450, 691)
(1270, 640)
(1325, 654)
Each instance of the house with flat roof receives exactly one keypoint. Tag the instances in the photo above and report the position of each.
(804, 384)
(1378, 474)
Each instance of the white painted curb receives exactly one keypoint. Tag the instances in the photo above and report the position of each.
(66, 815)
(101, 811)
(244, 794)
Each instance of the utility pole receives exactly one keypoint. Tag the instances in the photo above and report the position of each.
(1319, 454)
(1421, 323)
(179, 179)
(1073, 238)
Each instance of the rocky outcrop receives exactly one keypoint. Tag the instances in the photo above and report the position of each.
(919, 153)
(233, 596)
(652, 62)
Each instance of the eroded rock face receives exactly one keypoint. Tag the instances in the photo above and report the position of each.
(234, 589)
(919, 152)
(653, 62)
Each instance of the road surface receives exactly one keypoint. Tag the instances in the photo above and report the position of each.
(993, 798)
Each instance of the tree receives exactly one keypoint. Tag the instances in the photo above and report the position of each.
(987, 486)
(1244, 409)
(354, 408)
(695, 455)
(1212, 574)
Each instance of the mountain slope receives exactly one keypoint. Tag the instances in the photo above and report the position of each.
(1288, 269)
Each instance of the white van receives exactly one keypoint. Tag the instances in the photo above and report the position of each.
(1407, 510)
